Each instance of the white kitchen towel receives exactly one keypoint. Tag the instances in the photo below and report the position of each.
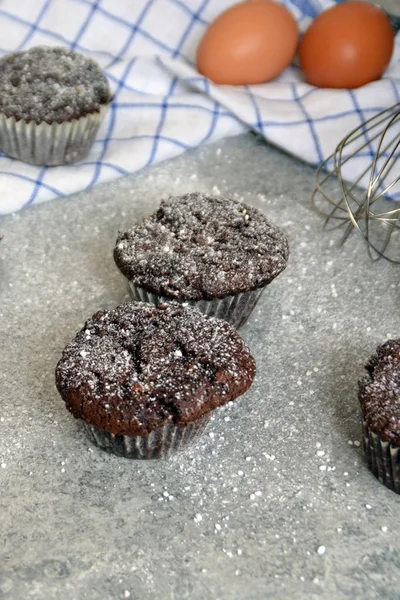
(162, 106)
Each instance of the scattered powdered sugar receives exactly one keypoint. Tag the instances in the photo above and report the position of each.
(51, 84)
(380, 392)
(143, 366)
(202, 246)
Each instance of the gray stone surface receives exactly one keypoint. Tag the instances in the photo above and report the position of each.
(278, 474)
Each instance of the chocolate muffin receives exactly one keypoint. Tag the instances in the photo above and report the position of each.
(213, 252)
(52, 101)
(379, 394)
(144, 379)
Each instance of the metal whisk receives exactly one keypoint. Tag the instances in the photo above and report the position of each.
(362, 189)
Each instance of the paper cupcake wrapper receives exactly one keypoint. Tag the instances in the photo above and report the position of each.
(233, 309)
(44, 144)
(383, 459)
(158, 444)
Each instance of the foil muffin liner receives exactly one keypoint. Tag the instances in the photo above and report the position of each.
(160, 443)
(383, 459)
(233, 309)
(51, 145)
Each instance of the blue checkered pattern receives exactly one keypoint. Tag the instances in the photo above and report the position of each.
(162, 106)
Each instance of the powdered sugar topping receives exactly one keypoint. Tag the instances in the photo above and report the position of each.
(380, 392)
(200, 246)
(51, 84)
(142, 366)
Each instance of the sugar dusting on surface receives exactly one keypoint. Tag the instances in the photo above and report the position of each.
(132, 369)
(115, 533)
(51, 84)
(202, 246)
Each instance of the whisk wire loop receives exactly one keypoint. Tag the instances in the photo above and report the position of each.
(359, 199)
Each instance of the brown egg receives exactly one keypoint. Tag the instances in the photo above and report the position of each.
(347, 46)
(252, 42)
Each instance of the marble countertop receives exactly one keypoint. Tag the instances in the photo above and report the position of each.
(276, 500)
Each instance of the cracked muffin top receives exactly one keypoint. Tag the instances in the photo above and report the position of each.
(199, 246)
(135, 368)
(51, 84)
(379, 392)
